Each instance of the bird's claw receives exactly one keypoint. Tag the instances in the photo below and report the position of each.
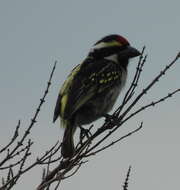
(84, 133)
(109, 117)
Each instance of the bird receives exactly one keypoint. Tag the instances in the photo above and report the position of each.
(93, 86)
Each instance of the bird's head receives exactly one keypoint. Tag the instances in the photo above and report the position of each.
(113, 47)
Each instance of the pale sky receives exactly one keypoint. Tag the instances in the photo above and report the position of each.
(33, 34)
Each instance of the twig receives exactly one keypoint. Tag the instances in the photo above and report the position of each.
(125, 186)
(152, 104)
(11, 181)
(114, 142)
(154, 81)
(16, 133)
(118, 122)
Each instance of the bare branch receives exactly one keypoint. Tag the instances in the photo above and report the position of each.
(56, 168)
(114, 142)
(125, 186)
(12, 178)
(16, 133)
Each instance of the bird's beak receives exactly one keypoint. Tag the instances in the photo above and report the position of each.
(129, 52)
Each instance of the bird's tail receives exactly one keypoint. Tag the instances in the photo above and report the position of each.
(67, 149)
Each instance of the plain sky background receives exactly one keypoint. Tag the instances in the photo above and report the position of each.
(35, 33)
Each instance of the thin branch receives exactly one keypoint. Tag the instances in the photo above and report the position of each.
(15, 135)
(33, 120)
(75, 171)
(125, 186)
(12, 179)
(152, 83)
(118, 122)
(114, 142)
(152, 104)
(84, 147)
(131, 90)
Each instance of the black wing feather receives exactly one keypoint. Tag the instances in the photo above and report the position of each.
(86, 83)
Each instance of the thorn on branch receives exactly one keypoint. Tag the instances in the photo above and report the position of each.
(178, 55)
(153, 104)
(33, 121)
(42, 100)
(167, 67)
(162, 72)
(144, 91)
(19, 143)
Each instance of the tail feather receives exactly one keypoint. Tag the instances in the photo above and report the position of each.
(67, 149)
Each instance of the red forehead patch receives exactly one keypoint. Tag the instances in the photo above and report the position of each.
(122, 40)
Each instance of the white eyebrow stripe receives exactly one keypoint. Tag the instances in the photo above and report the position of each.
(100, 45)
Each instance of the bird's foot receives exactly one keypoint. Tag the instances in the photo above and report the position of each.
(84, 133)
(109, 117)
(110, 120)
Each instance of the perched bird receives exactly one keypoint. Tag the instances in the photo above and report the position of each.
(92, 87)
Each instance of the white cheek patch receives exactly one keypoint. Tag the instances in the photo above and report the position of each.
(112, 57)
